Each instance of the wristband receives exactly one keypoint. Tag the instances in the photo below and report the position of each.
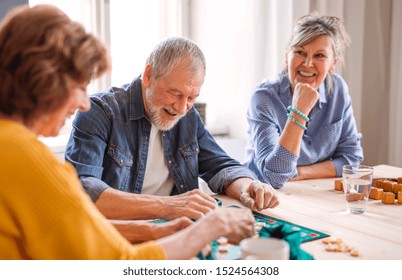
(297, 111)
(290, 117)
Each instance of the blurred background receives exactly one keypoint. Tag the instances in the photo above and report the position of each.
(244, 43)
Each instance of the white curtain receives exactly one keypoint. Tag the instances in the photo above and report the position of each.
(395, 101)
(374, 72)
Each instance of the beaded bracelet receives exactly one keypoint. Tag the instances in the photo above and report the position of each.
(297, 111)
(290, 117)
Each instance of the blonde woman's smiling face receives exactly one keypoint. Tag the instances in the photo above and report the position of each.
(311, 62)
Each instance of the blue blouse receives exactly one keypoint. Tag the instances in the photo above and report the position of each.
(331, 133)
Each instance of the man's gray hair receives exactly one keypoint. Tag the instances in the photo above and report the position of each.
(168, 53)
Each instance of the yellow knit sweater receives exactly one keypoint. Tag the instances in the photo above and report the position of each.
(45, 214)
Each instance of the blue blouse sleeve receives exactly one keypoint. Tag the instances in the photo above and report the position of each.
(273, 163)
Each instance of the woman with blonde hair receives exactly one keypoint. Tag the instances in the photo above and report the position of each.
(301, 122)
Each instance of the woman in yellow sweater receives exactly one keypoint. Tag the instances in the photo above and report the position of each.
(46, 62)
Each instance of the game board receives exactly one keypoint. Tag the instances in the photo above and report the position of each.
(270, 223)
(306, 234)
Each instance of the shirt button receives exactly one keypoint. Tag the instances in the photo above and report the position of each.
(181, 186)
(121, 161)
(141, 166)
(170, 162)
(163, 134)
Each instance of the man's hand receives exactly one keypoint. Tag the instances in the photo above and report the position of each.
(193, 204)
(258, 196)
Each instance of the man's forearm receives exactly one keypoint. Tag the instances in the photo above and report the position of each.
(118, 205)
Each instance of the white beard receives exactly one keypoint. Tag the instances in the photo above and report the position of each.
(155, 112)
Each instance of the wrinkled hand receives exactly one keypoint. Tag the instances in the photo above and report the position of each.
(259, 196)
(193, 204)
(237, 223)
(168, 228)
(305, 97)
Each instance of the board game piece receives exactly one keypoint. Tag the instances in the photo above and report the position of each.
(337, 245)
(354, 197)
(222, 241)
(257, 228)
(396, 188)
(339, 185)
(346, 249)
(354, 253)
(388, 198)
(326, 240)
(223, 248)
(400, 197)
(260, 224)
(376, 193)
(399, 180)
(378, 183)
(387, 186)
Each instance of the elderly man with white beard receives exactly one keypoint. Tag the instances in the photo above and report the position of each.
(141, 148)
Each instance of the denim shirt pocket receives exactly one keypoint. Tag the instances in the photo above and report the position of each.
(190, 153)
(119, 167)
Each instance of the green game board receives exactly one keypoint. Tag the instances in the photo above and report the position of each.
(306, 234)
(271, 223)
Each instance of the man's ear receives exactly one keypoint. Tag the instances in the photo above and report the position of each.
(147, 75)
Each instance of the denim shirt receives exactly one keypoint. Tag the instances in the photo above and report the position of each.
(108, 146)
(331, 132)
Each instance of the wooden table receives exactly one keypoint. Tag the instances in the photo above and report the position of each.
(377, 234)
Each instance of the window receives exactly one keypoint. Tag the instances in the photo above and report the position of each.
(233, 45)
(135, 29)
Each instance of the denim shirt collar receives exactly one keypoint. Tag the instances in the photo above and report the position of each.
(137, 109)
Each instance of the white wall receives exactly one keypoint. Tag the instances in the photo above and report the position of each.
(395, 112)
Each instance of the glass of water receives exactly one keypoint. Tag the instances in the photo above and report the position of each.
(357, 181)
